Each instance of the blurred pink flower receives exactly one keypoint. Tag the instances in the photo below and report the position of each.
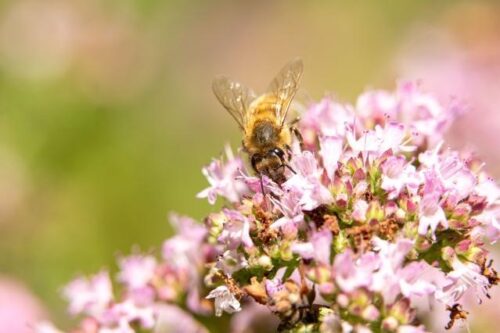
(254, 318)
(91, 296)
(173, 319)
(20, 310)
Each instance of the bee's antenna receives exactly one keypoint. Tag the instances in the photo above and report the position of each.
(289, 167)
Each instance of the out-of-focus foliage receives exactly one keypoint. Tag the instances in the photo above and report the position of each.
(107, 116)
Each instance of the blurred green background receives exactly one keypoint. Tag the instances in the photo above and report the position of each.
(107, 116)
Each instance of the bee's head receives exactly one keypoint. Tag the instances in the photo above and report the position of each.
(270, 164)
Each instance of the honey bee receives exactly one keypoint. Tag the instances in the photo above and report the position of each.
(266, 137)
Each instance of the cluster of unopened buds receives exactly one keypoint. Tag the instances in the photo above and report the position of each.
(376, 214)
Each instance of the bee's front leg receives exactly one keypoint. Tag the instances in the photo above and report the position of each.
(295, 131)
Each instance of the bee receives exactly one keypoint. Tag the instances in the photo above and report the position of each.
(267, 138)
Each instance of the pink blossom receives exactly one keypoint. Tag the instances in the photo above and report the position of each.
(305, 250)
(351, 274)
(91, 296)
(183, 250)
(20, 309)
(253, 318)
(424, 112)
(290, 206)
(378, 141)
(377, 105)
(463, 278)
(173, 319)
(398, 174)
(307, 182)
(431, 213)
(327, 118)
(128, 311)
(236, 231)
(331, 149)
(392, 278)
(359, 210)
(222, 178)
(136, 271)
(411, 329)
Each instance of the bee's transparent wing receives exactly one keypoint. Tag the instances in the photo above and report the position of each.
(285, 85)
(234, 97)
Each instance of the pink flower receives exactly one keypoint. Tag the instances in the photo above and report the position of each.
(431, 214)
(222, 178)
(351, 274)
(318, 248)
(463, 278)
(173, 319)
(411, 281)
(273, 286)
(253, 318)
(183, 250)
(397, 173)
(331, 149)
(307, 182)
(136, 271)
(90, 296)
(359, 210)
(305, 250)
(289, 205)
(128, 311)
(423, 112)
(20, 310)
(236, 231)
(392, 278)
(378, 141)
(490, 224)
(411, 329)
(327, 118)
(377, 106)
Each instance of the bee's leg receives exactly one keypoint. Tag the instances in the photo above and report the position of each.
(295, 131)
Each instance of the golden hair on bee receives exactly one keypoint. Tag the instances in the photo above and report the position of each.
(266, 136)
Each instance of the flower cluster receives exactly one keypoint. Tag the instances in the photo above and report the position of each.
(375, 215)
(152, 290)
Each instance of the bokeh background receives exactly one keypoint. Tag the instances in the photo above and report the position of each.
(107, 116)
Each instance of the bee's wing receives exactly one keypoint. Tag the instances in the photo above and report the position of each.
(234, 97)
(284, 86)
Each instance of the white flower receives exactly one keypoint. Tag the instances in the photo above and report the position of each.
(224, 301)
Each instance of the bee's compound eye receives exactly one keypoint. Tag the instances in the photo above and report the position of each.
(278, 152)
